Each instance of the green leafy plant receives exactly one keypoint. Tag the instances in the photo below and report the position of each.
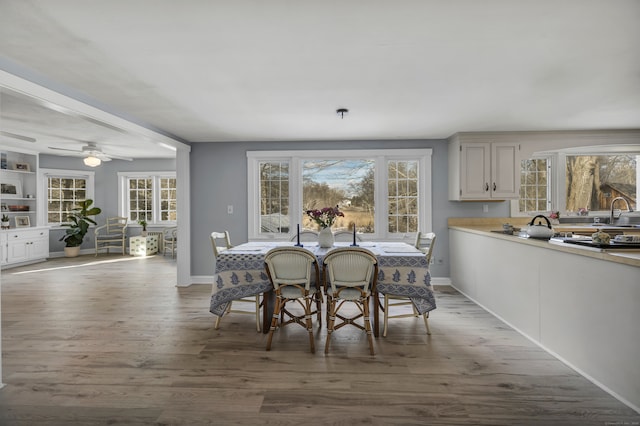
(5, 218)
(79, 220)
(143, 223)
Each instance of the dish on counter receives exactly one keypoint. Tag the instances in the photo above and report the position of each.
(626, 239)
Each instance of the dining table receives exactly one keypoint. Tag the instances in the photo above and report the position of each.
(403, 270)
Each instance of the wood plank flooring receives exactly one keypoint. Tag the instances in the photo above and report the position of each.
(111, 340)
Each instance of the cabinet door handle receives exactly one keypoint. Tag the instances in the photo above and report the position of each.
(494, 186)
(486, 187)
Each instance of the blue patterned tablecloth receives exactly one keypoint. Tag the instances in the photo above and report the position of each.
(402, 270)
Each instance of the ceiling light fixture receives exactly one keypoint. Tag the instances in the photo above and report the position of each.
(342, 112)
(92, 161)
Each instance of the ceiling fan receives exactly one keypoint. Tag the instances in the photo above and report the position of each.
(93, 155)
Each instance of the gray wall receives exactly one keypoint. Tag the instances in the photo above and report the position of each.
(219, 178)
(106, 187)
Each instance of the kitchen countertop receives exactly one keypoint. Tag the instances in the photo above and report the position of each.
(485, 226)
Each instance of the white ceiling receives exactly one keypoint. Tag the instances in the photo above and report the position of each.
(239, 70)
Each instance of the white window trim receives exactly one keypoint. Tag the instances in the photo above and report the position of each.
(45, 174)
(554, 187)
(123, 194)
(380, 156)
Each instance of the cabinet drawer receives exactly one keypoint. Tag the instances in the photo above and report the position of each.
(28, 234)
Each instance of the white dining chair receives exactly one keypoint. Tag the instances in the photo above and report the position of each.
(349, 275)
(345, 236)
(220, 242)
(425, 242)
(306, 236)
(293, 271)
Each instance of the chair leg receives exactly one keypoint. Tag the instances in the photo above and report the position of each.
(386, 315)
(426, 322)
(217, 325)
(258, 328)
(331, 319)
(318, 298)
(274, 321)
(367, 325)
(307, 315)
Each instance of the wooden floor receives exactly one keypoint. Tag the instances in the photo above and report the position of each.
(111, 340)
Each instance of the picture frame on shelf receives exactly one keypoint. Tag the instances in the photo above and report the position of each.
(22, 167)
(11, 188)
(22, 222)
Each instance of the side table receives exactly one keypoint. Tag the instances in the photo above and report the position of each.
(143, 246)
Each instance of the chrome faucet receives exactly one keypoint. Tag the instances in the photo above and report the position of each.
(613, 202)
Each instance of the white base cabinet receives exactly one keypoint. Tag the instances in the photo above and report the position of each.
(20, 246)
(582, 310)
(481, 171)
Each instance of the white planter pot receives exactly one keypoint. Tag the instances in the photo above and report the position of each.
(325, 238)
(71, 251)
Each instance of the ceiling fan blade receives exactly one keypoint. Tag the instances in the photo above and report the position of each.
(117, 157)
(16, 136)
(65, 149)
(91, 149)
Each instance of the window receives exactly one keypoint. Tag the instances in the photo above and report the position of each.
(402, 196)
(274, 196)
(385, 193)
(577, 183)
(149, 196)
(346, 183)
(535, 185)
(593, 181)
(65, 189)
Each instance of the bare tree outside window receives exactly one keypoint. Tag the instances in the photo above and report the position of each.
(348, 184)
(592, 181)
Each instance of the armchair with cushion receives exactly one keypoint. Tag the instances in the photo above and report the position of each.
(113, 234)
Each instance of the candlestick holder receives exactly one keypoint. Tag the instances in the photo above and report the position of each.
(297, 244)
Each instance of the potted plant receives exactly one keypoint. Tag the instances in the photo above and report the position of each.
(5, 221)
(143, 223)
(79, 220)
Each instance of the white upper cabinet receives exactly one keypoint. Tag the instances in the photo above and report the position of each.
(483, 170)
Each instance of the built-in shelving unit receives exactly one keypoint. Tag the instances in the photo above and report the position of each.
(18, 179)
(23, 239)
